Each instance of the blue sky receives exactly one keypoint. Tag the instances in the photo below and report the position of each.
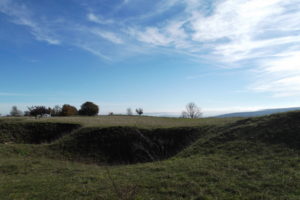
(224, 55)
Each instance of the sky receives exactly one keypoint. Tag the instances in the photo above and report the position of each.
(224, 55)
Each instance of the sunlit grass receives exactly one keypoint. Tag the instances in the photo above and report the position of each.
(138, 121)
(222, 164)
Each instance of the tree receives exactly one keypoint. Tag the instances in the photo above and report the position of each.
(192, 111)
(139, 111)
(38, 110)
(68, 110)
(184, 114)
(15, 112)
(56, 111)
(89, 109)
(129, 111)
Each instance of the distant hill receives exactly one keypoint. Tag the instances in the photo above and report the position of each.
(258, 113)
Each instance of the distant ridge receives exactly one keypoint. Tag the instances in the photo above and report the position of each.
(258, 113)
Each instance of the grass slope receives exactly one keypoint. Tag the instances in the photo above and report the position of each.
(251, 159)
(278, 129)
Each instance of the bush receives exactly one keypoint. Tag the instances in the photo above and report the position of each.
(89, 109)
(68, 110)
(38, 110)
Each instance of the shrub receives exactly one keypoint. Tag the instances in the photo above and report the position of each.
(68, 110)
(89, 109)
(38, 110)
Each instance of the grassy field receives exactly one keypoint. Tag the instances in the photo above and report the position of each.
(251, 159)
(119, 120)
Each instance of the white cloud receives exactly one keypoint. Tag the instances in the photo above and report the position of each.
(284, 63)
(152, 36)
(289, 86)
(233, 19)
(264, 34)
(21, 15)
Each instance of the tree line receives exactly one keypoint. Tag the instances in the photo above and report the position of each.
(87, 109)
(91, 109)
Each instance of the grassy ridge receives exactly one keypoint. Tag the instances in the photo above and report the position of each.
(257, 158)
(278, 129)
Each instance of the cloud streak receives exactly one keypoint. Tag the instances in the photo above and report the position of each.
(261, 35)
(21, 15)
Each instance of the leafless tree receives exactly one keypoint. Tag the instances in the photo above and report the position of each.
(129, 111)
(139, 111)
(184, 114)
(192, 111)
(56, 111)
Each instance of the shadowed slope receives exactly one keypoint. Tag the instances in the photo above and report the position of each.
(126, 144)
(33, 133)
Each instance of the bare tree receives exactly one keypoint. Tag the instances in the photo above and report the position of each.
(56, 111)
(15, 112)
(184, 114)
(139, 111)
(129, 111)
(192, 111)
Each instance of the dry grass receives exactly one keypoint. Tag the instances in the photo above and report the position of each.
(138, 121)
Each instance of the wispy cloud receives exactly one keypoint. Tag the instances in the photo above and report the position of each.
(239, 33)
(93, 50)
(263, 35)
(21, 15)
(108, 35)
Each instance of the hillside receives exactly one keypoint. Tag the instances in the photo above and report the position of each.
(258, 113)
(253, 158)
